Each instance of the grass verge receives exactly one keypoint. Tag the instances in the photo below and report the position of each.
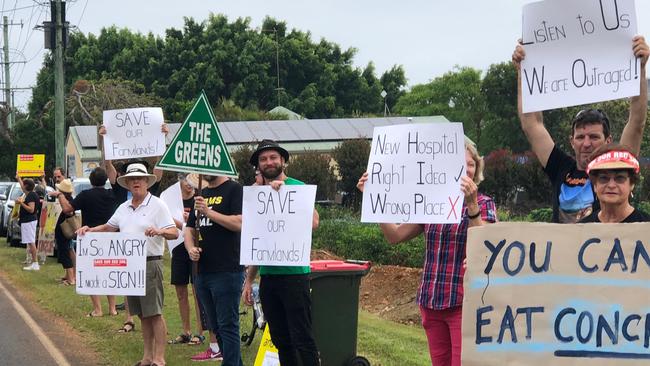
(382, 342)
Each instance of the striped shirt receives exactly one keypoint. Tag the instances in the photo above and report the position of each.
(441, 286)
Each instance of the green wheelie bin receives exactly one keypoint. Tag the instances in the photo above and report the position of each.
(335, 310)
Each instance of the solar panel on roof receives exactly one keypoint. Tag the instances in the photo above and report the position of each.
(304, 130)
(240, 132)
(261, 130)
(324, 129)
(283, 131)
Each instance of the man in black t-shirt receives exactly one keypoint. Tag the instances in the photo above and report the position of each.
(573, 196)
(220, 276)
(96, 206)
(28, 220)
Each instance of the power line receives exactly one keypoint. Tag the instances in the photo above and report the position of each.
(20, 8)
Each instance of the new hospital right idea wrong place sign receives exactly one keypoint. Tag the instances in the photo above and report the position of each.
(552, 294)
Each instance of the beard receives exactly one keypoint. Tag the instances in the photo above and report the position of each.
(271, 173)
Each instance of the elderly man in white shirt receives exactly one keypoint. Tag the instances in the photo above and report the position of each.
(145, 213)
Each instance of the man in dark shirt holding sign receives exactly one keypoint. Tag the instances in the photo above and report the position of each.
(220, 276)
(284, 291)
(573, 196)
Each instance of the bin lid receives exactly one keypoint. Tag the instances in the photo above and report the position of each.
(339, 266)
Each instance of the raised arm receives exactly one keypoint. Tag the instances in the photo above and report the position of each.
(633, 130)
(540, 140)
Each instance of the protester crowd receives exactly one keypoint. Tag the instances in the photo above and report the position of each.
(593, 184)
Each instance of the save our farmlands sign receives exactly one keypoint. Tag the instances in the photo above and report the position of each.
(578, 52)
(198, 146)
(551, 294)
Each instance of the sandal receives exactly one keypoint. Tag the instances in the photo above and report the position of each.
(180, 339)
(197, 339)
(67, 283)
(93, 315)
(127, 327)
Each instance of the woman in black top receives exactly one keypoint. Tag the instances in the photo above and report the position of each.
(65, 251)
(613, 172)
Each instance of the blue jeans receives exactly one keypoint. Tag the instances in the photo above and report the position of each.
(219, 293)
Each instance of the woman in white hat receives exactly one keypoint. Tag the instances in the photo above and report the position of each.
(145, 213)
(613, 172)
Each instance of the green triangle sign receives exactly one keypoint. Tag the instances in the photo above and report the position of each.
(198, 146)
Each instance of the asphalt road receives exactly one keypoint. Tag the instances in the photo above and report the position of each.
(19, 343)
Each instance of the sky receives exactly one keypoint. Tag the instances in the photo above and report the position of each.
(426, 37)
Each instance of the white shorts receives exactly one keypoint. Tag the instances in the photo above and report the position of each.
(28, 232)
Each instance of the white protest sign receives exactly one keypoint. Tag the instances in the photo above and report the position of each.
(414, 174)
(133, 133)
(111, 264)
(276, 225)
(578, 52)
(173, 197)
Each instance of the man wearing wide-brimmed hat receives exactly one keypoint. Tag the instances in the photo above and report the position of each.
(150, 215)
(284, 291)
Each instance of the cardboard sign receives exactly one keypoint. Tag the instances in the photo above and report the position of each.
(267, 353)
(198, 146)
(111, 264)
(133, 133)
(173, 197)
(578, 52)
(414, 174)
(47, 224)
(276, 225)
(30, 165)
(552, 294)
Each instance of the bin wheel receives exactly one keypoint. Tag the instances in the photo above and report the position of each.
(358, 361)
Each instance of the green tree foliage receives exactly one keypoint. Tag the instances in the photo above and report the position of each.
(315, 168)
(501, 119)
(456, 95)
(230, 61)
(352, 158)
(240, 157)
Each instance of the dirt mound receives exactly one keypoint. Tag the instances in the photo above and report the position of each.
(389, 291)
(321, 254)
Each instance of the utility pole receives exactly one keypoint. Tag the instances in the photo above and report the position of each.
(59, 121)
(5, 48)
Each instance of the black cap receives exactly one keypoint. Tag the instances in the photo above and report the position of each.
(267, 144)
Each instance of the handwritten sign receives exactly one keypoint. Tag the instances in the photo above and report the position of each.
(551, 294)
(276, 225)
(578, 52)
(414, 174)
(30, 165)
(47, 223)
(133, 133)
(111, 264)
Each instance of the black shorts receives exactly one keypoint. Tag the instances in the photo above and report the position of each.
(181, 266)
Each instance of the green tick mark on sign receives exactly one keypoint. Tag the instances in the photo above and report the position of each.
(198, 146)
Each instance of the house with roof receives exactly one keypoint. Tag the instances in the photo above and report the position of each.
(297, 136)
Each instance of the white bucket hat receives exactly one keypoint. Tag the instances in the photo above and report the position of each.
(136, 170)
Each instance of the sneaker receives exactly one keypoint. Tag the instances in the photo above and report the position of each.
(33, 267)
(208, 355)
